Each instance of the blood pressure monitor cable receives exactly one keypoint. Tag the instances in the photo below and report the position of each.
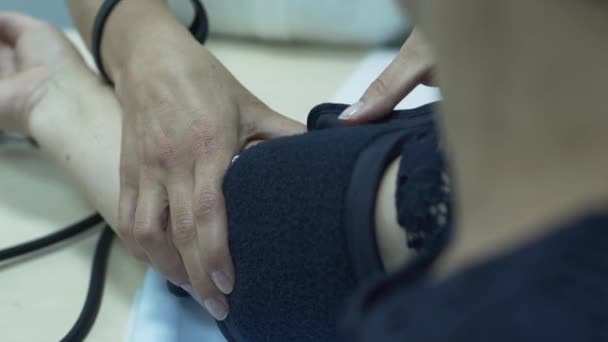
(92, 302)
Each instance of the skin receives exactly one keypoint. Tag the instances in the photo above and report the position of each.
(523, 116)
(47, 92)
(516, 175)
(411, 67)
(186, 116)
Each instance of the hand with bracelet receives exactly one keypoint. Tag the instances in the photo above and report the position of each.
(186, 116)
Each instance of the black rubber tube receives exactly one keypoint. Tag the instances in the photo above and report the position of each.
(66, 233)
(92, 303)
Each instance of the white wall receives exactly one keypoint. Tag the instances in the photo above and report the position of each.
(50, 10)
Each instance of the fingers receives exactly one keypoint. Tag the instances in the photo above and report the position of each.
(12, 25)
(149, 230)
(14, 108)
(126, 218)
(276, 125)
(7, 60)
(210, 217)
(264, 123)
(185, 238)
(213, 154)
(129, 183)
(409, 69)
(8, 95)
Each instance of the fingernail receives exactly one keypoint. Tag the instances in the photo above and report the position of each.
(352, 111)
(222, 281)
(188, 288)
(216, 308)
(197, 298)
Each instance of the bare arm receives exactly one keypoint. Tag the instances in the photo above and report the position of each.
(81, 131)
(390, 236)
(175, 94)
(132, 27)
(48, 92)
(78, 123)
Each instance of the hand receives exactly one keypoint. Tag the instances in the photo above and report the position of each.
(412, 66)
(35, 58)
(185, 118)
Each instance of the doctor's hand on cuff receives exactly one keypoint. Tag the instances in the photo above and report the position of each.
(186, 117)
(412, 67)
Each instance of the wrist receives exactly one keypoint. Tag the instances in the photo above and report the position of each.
(181, 62)
(60, 96)
(136, 30)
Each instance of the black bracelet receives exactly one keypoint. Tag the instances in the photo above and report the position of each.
(199, 29)
(100, 20)
(200, 25)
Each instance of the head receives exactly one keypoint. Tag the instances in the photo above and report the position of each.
(523, 81)
(524, 112)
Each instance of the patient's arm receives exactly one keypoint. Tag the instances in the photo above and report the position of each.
(389, 235)
(78, 123)
(79, 127)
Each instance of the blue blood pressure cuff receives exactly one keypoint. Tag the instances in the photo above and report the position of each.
(301, 220)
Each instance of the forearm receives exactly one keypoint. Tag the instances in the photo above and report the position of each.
(133, 32)
(81, 132)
